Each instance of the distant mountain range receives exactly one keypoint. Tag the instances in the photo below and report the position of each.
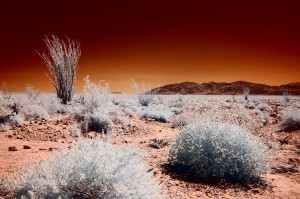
(222, 88)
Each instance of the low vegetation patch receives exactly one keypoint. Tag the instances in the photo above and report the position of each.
(210, 149)
(159, 113)
(92, 168)
(98, 122)
(290, 121)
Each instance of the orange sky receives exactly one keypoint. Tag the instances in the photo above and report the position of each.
(158, 42)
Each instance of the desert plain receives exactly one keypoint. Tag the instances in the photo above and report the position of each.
(153, 129)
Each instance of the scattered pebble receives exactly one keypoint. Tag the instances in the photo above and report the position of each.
(26, 147)
(12, 148)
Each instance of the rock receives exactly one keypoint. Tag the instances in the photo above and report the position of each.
(12, 148)
(51, 149)
(294, 160)
(9, 136)
(26, 147)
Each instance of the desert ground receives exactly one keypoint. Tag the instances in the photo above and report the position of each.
(34, 126)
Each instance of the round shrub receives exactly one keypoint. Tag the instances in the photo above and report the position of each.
(92, 168)
(264, 107)
(290, 120)
(210, 149)
(98, 122)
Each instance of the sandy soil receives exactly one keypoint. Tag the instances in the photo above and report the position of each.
(42, 136)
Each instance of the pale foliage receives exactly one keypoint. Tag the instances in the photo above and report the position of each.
(144, 93)
(92, 168)
(290, 120)
(210, 149)
(62, 62)
(95, 95)
(32, 93)
(246, 93)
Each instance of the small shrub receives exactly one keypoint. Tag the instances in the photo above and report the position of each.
(52, 105)
(92, 168)
(5, 91)
(250, 105)
(126, 103)
(77, 112)
(160, 114)
(31, 93)
(290, 121)
(63, 109)
(33, 111)
(4, 191)
(128, 112)
(210, 149)
(158, 143)
(255, 100)
(180, 101)
(264, 107)
(287, 96)
(98, 122)
(246, 93)
(95, 96)
(180, 121)
(176, 111)
(145, 95)
(160, 100)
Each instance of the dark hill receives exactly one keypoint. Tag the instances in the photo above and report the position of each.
(222, 88)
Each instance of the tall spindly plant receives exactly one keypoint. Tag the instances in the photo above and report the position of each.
(62, 62)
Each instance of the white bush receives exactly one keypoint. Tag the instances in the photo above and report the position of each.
(287, 96)
(144, 94)
(246, 93)
(92, 168)
(95, 96)
(51, 104)
(210, 149)
(180, 120)
(264, 107)
(290, 120)
(34, 111)
(250, 105)
(98, 122)
(32, 94)
(159, 113)
(180, 101)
